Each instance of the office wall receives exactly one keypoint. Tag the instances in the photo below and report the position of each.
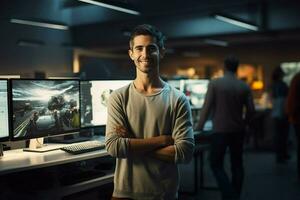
(267, 55)
(106, 68)
(24, 51)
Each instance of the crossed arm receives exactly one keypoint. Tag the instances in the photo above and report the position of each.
(177, 148)
(159, 147)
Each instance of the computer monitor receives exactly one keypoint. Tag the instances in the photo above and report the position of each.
(195, 90)
(44, 107)
(94, 97)
(4, 122)
(290, 69)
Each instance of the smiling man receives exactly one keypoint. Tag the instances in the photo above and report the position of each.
(149, 126)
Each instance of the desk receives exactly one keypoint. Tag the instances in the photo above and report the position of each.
(199, 151)
(202, 144)
(17, 161)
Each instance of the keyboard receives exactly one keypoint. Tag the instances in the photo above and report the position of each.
(84, 147)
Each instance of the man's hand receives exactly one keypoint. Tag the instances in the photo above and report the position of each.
(165, 140)
(122, 131)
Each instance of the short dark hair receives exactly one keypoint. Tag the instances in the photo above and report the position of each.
(231, 63)
(147, 29)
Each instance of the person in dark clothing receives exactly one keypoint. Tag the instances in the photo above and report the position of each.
(279, 95)
(226, 99)
(293, 112)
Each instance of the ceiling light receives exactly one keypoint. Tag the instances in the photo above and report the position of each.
(30, 43)
(216, 42)
(236, 22)
(39, 24)
(105, 5)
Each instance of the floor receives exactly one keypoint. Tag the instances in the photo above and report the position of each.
(264, 179)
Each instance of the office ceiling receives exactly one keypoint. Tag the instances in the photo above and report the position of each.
(188, 24)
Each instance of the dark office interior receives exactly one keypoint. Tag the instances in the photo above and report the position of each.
(88, 40)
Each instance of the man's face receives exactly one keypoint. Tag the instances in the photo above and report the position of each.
(145, 53)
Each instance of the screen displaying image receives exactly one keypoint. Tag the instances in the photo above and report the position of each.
(44, 107)
(4, 127)
(94, 98)
(290, 69)
(195, 90)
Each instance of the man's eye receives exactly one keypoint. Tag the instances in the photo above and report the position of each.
(138, 48)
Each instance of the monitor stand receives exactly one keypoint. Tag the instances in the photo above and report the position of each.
(1, 150)
(68, 139)
(37, 145)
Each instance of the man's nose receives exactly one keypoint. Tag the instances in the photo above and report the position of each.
(145, 52)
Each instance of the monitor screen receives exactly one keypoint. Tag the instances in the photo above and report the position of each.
(290, 69)
(94, 97)
(44, 107)
(4, 123)
(195, 90)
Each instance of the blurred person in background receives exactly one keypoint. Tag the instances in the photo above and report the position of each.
(226, 99)
(279, 95)
(293, 112)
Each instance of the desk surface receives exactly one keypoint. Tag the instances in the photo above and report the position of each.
(18, 160)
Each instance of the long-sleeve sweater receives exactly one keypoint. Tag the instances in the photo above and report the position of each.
(164, 113)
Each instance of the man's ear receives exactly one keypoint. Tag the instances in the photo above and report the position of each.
(130, 53)
(162, 52)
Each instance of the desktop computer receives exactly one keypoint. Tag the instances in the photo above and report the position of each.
(94, 97)
(4, 122)
(44, 108)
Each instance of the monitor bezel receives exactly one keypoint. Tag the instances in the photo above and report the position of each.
(85, 80)
(12, 138)
(7, 138)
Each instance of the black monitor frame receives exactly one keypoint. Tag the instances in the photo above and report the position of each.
(88, 80)
(6, 138)
(63, 132)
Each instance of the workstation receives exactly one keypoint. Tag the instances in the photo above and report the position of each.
(53, 142)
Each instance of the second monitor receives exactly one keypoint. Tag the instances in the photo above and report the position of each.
(4, 122)
(94, 97)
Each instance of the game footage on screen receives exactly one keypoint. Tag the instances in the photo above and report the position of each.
(44, 107)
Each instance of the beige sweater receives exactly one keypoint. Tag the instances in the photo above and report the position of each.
(167, 112)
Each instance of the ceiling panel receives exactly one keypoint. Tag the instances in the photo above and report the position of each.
(101, 28)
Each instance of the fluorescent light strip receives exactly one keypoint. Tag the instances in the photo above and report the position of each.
(216, 42)
(236, 22)
(125, 10)
(39, 24)
(30, 43)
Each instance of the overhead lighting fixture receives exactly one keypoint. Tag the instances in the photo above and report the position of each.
(30, 43)
(105, 5)
(236, 22)
(216, 42)
(39, 24)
